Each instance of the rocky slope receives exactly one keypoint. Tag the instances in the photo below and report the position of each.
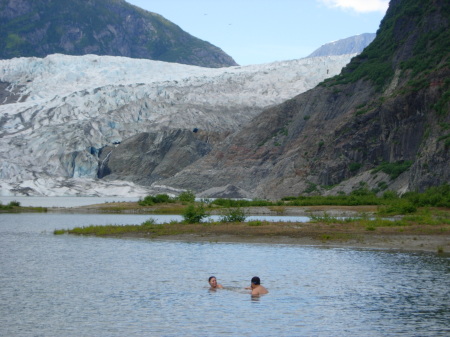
(383, 123)
(350, 45)
(102, 27)
(67, 120)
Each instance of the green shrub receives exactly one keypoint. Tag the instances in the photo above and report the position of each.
(311, 188)
(362, 191)
(438, 196)
(389, 195)
(194, 214)
(399, 207)
(14, 203)
(149, 222)
(353, 167)
(5, 207)
(382, 185)
(161, 198)
(393, 169)
(241, 203)
(150, 200)
(233, 215)
(186, 196)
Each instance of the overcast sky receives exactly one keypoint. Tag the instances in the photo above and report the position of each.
(263, 31)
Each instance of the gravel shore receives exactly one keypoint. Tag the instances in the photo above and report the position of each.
(398, 242)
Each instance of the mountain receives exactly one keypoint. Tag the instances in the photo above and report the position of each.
(383, 123)
(99, 125)
(350, 45)
(102, 27)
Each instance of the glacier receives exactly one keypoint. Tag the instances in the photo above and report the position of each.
(58, 112)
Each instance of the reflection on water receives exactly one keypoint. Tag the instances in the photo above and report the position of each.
(86, 286)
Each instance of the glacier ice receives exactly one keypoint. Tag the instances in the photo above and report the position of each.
(70, 107)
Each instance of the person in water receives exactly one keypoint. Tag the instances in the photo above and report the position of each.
(256, 287)
(213, 283)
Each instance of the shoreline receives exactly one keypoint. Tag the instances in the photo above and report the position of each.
(395, 243)
(414, 238)
(130, 208)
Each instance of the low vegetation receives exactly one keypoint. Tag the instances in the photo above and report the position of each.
(184, 197)
(390, 202)
(14, 207)
(233, 215)
(11, 205)
(413, 214)
(393, 169)
(231, 210)
(323, 228)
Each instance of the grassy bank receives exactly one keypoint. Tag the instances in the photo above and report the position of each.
(426, 221)
(432, 224)
(14, 207)
(130, 208)
(388, 203)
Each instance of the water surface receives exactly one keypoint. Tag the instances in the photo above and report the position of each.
(62, 201)
(86, 286)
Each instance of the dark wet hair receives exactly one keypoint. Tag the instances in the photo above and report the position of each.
(211, 277)
(256, 280)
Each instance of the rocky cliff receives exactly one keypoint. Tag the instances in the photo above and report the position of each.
(350, 45)
(102, 27)
(383, 123)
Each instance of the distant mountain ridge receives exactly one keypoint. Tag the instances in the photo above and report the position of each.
(102, 27)
(350, 45)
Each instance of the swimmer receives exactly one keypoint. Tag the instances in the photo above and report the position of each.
(213, 283)
(256, 287)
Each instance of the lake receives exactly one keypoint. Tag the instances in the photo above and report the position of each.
(38, 201)
(86, 286)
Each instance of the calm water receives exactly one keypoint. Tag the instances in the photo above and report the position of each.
(61, 201)
(84, 286)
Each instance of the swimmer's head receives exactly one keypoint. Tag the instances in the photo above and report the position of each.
(212, 281)
(256, 280)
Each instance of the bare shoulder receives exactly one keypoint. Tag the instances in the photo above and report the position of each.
(260, 290)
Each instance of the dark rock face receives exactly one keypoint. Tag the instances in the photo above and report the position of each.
(331, 138)
(226, 192)
(149, 157)
(103, 27)
(9, 93)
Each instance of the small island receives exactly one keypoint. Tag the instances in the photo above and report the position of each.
(15, 207)
(412, 222)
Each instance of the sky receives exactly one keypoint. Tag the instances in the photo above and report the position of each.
(264, 31)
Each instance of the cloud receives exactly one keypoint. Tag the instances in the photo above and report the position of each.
(360, 6)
